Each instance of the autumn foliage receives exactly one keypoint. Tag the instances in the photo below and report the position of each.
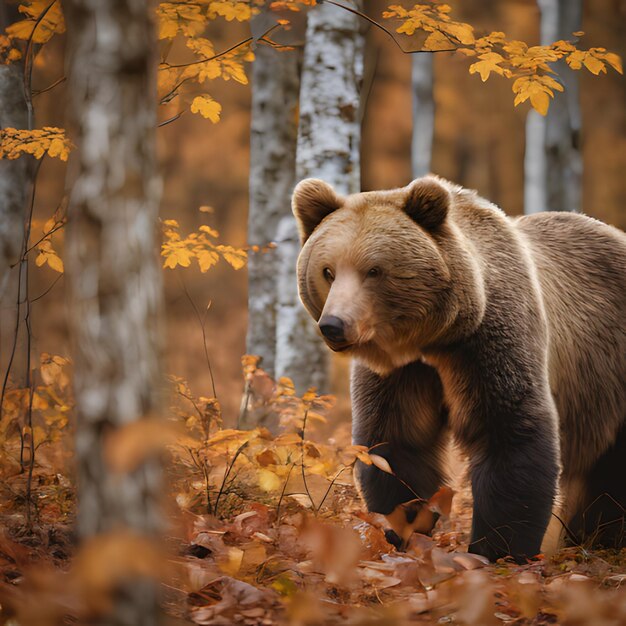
(529, 67)
(268, 528)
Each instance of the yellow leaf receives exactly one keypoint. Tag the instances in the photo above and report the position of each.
(286, 386)
(267, 457)
(575, 60)
(57, 148)
(463, 32)
(39, 402)
(239, 11)
(15, 142)
(48, 255)
(381, 463)
(268, 481)
(436, 41)
(207, 259)
(207, 107)
(234, 69)
(49, 225)
(230, 437)
(614, 61)
(209, 231)
(538, 89)
(540, 101)
(176, 255)
(594, 65)
(55, 263)
(205, 71)
(202, 46)
(44, 27)
(489, 62)
(236, 257)
(174, 17)
(288, 439)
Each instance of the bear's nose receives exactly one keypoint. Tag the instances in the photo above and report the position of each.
(332, 328)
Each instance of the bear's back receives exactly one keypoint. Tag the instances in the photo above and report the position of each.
(581, 267)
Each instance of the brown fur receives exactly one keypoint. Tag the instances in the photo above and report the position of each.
(507, 332)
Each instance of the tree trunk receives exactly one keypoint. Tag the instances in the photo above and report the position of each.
(113, 270)
(275, 87)
(423, 114)
(329, 135)
(16, 180)
(15, 175)
(553, 161)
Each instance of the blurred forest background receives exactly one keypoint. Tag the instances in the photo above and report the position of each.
(478, 143)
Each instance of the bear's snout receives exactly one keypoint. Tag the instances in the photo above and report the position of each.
(333, 329)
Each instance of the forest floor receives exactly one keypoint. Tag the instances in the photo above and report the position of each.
(269, 529)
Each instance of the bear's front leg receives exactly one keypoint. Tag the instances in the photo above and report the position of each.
(514, 486)
(402, 416)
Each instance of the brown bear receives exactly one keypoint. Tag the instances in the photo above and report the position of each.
(506, 333)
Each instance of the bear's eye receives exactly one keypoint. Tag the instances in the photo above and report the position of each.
(374, 272)
(328, 274)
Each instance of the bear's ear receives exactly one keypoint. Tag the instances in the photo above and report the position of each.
(312, 201)
(427, 202)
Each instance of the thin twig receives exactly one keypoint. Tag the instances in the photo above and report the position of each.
(570, 534)
(202, 321)
(28, 65)
(282, 493)
(243, 410)
(372, 21)
(402, 482)
(306, 487)
(195, 406)
(58, 226)
(170, 120)
(332, 483)
(169, 66)
(29, 335)
(227, 473)
(49, 87)
(48, 290)
(18, 305)
(13, 347)
(207, 487)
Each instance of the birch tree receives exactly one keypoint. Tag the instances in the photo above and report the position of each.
(423, 114)
(328, 148)
(14, 175)
(553, 161)
(113, 271)
(275, 87)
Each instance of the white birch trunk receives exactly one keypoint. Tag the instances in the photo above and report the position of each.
(423, 114)
(553, 160)
(15, 177)
(328, 147)
(275, 87)
(113, 270)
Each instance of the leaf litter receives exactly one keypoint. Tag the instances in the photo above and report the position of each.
(269, 529)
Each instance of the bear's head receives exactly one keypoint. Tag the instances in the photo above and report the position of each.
(373, 270)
